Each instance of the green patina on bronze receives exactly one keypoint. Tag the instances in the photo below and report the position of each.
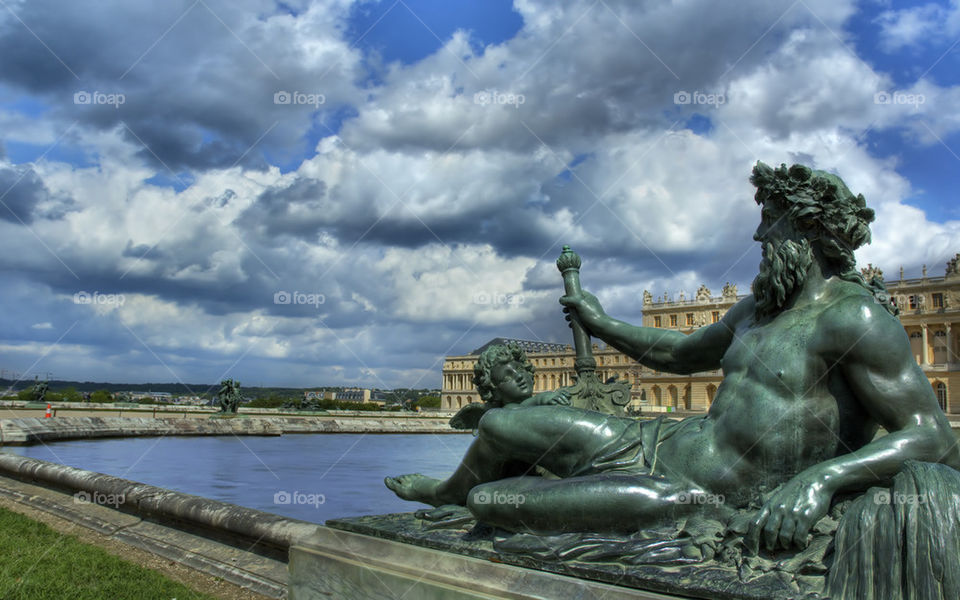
(814, 362)
(229, 396)
(39, 390)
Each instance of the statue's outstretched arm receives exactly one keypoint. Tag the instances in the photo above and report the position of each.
(661, 349)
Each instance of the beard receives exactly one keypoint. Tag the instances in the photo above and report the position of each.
(782, 271)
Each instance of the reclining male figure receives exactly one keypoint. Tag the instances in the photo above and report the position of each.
(814, 361)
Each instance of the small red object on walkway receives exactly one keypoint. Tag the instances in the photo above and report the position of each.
(47, 415)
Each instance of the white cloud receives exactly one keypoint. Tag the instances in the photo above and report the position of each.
(917, 25)
(431, 219)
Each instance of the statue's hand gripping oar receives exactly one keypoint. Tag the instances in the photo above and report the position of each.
(589, 392)
(569, 266)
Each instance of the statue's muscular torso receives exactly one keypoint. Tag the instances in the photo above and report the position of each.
(783, 405)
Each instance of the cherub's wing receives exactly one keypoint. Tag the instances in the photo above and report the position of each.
(468, 417)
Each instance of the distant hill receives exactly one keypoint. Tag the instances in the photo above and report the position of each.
(190, 389)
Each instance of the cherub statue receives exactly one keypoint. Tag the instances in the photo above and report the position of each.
(504, 377)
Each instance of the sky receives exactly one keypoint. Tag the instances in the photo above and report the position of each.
(343, 192)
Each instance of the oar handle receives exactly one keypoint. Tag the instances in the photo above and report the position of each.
(569, 266)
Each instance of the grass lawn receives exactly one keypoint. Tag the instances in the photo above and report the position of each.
(37, 562)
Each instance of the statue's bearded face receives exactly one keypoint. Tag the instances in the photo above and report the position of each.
(787, 256)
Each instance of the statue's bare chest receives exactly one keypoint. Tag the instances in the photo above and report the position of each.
(782, 355)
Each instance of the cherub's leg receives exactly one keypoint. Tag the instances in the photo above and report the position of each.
(479, 465)
(602, 503)
(561, 439)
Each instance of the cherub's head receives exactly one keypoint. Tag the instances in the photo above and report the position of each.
(503, 375)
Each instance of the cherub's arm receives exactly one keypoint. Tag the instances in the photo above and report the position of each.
(553, 397)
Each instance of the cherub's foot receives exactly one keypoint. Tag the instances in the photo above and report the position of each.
(445, 516)
(415, 487)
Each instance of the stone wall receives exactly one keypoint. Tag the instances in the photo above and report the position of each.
(34, 430)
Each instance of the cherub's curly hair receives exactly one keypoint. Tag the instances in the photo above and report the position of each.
(824, 210)
(497, 354)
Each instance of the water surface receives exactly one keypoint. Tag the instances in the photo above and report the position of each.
(313, 477)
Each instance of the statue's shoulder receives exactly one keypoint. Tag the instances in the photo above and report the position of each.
(852, 310)
(743, 309)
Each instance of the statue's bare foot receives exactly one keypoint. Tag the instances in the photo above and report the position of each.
(415, 487)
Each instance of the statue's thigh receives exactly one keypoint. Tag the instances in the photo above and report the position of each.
(603, 502)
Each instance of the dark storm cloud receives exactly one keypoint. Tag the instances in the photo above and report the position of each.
(180, 147)
(21, 191)
(305, 210)
(298, 209)
(197, 81)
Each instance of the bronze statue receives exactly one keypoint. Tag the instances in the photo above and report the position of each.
(40, 389)
(229, 396)
(814, 362)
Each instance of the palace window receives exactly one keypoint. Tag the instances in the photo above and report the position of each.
(689, 319)
(715, 316)
(942, 396)
(657, 322)
(940, 347)
(937, 300)
(912, 300)
(673, 320)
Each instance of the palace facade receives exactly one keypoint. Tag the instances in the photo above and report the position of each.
(929, 311)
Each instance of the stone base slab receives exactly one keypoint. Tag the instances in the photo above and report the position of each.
(343, 564)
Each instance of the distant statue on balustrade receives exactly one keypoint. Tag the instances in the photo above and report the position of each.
(229, 396)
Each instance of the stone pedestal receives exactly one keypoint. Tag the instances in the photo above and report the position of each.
(343, 564)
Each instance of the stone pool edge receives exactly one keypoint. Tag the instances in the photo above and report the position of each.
(32, 430)
(244, 546)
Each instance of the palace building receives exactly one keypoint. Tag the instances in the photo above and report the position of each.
(929, 311)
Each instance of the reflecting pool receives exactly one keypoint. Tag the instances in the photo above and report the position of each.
(313, 477)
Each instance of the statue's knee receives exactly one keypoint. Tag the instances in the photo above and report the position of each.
(495, 505)
(479, 500)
